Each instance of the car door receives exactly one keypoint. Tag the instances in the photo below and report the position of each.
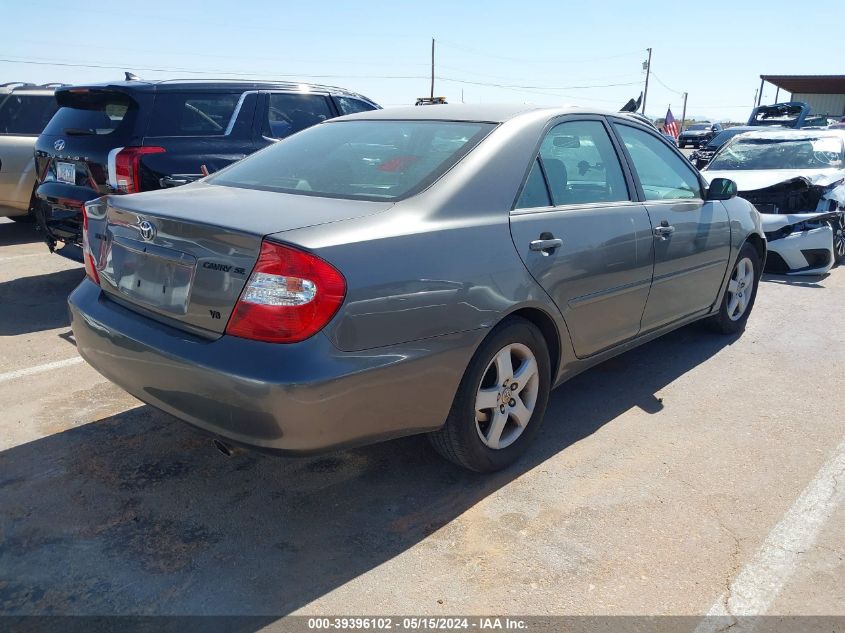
(22, 118)
(286, 113)
(691, 235)
(583, 236)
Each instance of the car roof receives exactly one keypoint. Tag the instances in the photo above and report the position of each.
(164, 85)
(491, 113)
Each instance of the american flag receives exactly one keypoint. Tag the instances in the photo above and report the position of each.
(671, 125)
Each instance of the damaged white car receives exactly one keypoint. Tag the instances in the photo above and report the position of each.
(796, 179)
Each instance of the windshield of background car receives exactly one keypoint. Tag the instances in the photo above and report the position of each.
(92, 113)
(365, 159)
(720, 139)
(780, 153)
(699, 126)
(25, 114)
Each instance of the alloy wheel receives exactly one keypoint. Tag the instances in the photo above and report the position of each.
(507, 396)
(740, 288)
(838, 227)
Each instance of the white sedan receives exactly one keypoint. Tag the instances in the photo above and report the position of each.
(796, 179)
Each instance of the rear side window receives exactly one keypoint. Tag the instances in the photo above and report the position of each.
(92, 113)
(663, 174)
(348, 105)
(534, 193)
(581, 165)
(289, 113)
(192, 113)
(366, 159)
(26, 114)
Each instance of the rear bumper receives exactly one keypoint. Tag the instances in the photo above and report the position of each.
(59, 211)
(300, 398)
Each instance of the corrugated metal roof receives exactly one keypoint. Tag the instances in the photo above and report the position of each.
(816, 84)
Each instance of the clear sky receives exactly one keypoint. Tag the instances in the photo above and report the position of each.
(586, 53)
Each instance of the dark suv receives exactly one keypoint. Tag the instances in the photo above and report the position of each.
(134, 135)
(698, 134)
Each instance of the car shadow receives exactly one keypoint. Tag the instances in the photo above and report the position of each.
(12, 233)
(33, 304)
(138, 514)
(800, 281)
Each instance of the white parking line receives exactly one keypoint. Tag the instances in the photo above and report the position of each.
(29, 371)
(760, 581)
(8, 259)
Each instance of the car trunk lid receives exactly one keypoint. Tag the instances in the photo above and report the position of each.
(183, 255)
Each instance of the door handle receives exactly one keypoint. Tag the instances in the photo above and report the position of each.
(664, 230)
(545, 245)
(175, 181)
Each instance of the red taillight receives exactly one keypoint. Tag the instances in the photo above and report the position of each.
(90, 268)
(127, 167)
(290, 296)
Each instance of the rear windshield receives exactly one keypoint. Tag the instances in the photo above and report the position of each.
(26, 114)
(722, 137)
(92, 113)
(775, 115)
(699, 126)
(192, 113)
(370, 160)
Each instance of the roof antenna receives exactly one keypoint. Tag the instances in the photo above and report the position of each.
(131, 76)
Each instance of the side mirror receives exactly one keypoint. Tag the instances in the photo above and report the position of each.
(721, 189)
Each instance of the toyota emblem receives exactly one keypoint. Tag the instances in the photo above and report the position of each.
(148, 231)
(59, 145)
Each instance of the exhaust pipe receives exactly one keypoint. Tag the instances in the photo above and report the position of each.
(224, 448)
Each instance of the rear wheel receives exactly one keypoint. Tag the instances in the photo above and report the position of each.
(501, 400)
(740, 293)
(27, 218)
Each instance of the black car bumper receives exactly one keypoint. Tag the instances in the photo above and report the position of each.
(59, 214)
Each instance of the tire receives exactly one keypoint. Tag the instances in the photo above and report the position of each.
(468, 437)
(732, 317)
(838, 227)
(23, 219)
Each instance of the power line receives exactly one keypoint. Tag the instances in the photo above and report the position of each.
(318, 76)
(203, 72)
(535, 60)
(660, 81)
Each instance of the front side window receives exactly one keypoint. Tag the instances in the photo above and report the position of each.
(662, 173)
(26, 114)
(581, 165)
(192, 114)
(365, 159)
(289, 113)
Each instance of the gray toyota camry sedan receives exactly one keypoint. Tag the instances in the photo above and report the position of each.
(416, 270)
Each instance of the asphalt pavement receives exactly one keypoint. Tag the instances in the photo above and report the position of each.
(694, 474)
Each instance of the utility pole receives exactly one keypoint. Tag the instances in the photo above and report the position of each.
(684, 115)
(432, 68)
(647, 72)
